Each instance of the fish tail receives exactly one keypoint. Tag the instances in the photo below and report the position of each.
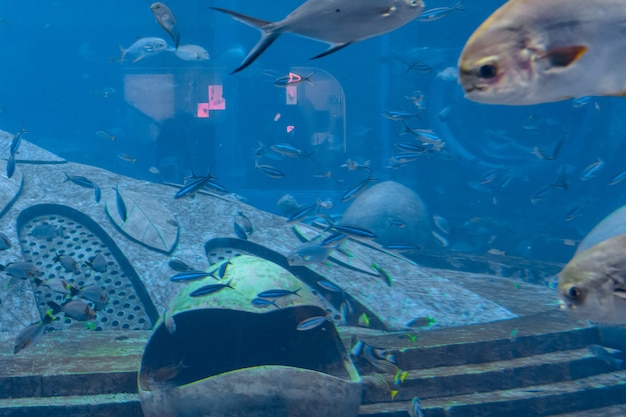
(123, 51)
(67, 177)
(270, 33)
(296, 292)
(54, 307)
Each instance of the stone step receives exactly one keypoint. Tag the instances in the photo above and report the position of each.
(597, 391)
(103, 405)
(509, 374)
(535, 334)
(611, 411)
(70, 363)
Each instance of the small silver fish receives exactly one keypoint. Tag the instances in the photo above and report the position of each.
(128, 158)
(192, 53)
(310, 252)
(439, 12)
(142, 48)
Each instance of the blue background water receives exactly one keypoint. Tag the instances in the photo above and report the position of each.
(58, 80)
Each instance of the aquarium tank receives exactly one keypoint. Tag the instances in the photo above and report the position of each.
(331, 208)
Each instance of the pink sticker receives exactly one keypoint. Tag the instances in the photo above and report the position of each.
(203, 110)
(216, 100)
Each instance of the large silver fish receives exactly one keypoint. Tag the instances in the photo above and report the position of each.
(537, 51)
(336, 22)
(592, 285)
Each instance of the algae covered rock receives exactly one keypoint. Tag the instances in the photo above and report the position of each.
(394, 212)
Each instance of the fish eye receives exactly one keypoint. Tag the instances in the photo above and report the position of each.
(574, 292)
(487, 71)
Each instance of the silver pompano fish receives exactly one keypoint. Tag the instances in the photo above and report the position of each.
(592, 286)
(336, 22)
(143, 47)
(537, 51)
(166, 19)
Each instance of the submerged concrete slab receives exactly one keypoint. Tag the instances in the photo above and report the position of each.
(416, 292)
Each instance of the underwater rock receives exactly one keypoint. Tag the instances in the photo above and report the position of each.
(287, 204)
(612, 225)
(394, 212)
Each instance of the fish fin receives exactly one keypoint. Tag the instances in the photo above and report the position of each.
(564, 56)
(266, 40)
(270, 34)
(176, 39)
(54, 307)
(332, 49)
(248, 20)
(620, 294)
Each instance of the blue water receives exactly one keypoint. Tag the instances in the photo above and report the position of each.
(59, 81)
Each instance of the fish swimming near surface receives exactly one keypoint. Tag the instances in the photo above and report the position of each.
(592, 286)
(336, 22)
(538, 51)
(166, 19)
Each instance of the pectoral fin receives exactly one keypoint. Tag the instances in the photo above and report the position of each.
(333, 48)
(563, 56)
(620, 294)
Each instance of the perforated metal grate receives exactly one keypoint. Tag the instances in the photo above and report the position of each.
(124, 309)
